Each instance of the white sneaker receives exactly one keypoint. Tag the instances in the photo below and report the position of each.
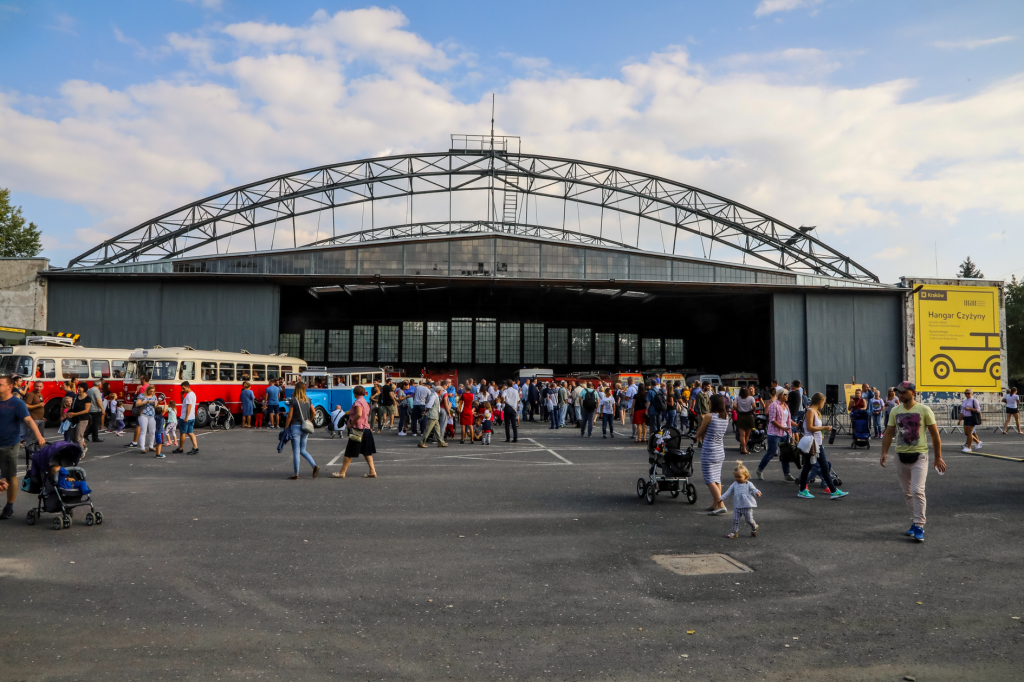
(401, 433)
(965, 449)
(979, 444)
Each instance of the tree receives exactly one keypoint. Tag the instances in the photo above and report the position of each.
(1015, 329)
(968, 270)
(17, 240)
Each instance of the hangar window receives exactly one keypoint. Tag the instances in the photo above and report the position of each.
(652, 352)
(627, 350)
(437, 342)
(412, 342)
(649, 269)
(673, 351)
(558, 346)
(692, 272)
(387, 343)
(381, 260)
(562, 262)
(533, 344)
(517, 259)
(362, 343)
(581, 346)
(601, 265)
(604, 349)
(427, 259)
(288, 344)
(462, 339)
(313, 348)
(337, 345)
(486, 333)
(510, 343)
(472, 258)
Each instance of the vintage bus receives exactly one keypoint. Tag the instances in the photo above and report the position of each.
(328, 388)
(53, 360)
(214, 376)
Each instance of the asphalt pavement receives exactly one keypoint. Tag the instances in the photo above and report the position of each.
(525, 561)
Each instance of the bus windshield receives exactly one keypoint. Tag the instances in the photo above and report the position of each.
(16, 364)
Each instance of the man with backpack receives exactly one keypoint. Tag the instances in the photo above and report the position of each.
(796, 403)
(588, 402)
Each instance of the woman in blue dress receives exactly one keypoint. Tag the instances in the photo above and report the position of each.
(712, 454)
(248, 398)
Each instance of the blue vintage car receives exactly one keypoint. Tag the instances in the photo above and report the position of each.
(328, 387)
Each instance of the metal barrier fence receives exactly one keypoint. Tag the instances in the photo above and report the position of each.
(947, 416)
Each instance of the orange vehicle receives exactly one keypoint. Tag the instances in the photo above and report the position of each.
(624, 378)
(53, 360)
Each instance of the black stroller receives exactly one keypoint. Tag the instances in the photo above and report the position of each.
(664, 450)
(860, 426)
(53, 499)
(220, 415)
(758, 439)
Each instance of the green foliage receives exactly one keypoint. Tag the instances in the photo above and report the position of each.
(1015, 331)
(968, 270)
(17, 240)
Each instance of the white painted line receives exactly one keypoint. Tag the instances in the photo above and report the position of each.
(333, 461)
(549, 450)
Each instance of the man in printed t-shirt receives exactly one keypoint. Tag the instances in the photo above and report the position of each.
(907, 422)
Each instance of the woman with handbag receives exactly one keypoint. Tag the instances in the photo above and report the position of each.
(300, 427)
(970, 412)
(360, 436)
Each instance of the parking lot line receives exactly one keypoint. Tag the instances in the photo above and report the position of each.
(549, 450)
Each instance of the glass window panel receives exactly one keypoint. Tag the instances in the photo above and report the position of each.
(100, 369)
(650, 269)
(362, 343)
(273, 372)
(437, 342)
(723, 274)
(558, 346)
(673, 351)
(387, 343)
(119, 368)
(46, 369)
(628, 351)
(604, 349)
(462, 339)
(188, 370)
(561, 262)
(652, 352)
(472, 258)
(259, 372)
(605, 265)
(412, 342)
(209, 370)
(288, 344)
(75, 368)
(381, 260)
(244, 371)
(516, 259)
(227, 371)
(692, 272)
(486, 341)
(533, 344)
(336, 262)
(427, 259)
(164, 370)
(510, 343)
(313, 348)
(337, 345)
(580, 346)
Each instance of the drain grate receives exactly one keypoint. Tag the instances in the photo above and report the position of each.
(700, 564)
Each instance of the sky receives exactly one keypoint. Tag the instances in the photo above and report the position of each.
(896, 128)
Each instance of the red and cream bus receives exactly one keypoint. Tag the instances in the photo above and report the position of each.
(213, 375)
(52, 361)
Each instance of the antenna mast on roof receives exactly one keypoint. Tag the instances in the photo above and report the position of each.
(492, 121)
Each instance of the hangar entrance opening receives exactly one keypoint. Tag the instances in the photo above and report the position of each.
(488, 330)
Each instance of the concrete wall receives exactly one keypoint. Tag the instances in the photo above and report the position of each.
(825, 338)
(226, 316)
(23, 293)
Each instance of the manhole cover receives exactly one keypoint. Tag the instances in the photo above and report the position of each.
(700, 564)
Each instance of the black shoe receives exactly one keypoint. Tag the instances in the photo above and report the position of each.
(507, 440)
(515, 440)
(96, 440)
(179, 450)
(6, 514)
(132, 445)
(193, 451)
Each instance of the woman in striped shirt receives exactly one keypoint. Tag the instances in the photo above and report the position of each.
(712, 454)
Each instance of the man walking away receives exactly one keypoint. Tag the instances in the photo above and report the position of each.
(905, 422)
(95, 396)
(432, 412)
(511, 398)
(387, 401)
(187, 422)
(13, 413)
(563, 404)
(533, 398)
(273, 398)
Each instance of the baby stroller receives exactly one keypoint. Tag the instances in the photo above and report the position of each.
(53, 498)
(664, 451)
(220, 415)
(860, 425)
(758, 439)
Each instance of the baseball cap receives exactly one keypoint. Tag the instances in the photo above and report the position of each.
(906, 386)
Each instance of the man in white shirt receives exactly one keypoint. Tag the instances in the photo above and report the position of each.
(511, 397)
(577, 402)
(631, 390)
(187, 422)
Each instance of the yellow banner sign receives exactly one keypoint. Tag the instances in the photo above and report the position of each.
(957, 338)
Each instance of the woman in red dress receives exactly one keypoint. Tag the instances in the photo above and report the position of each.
(466, 414)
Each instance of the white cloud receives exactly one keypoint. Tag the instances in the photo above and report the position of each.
(207, 4)
(876, 172)
(970, 44)
(772, 6)
(63, 23)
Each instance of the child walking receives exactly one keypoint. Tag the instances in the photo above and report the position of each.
(743, 504)
(171, 426)
(487, 425)
(161, 419)
(119, 418)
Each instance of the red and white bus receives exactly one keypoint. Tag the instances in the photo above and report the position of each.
(214, 376)
(52, 361)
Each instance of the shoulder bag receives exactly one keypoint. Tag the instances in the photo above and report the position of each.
(307, 425)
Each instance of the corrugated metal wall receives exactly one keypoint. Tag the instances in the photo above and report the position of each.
(825, 338)
(224, 316)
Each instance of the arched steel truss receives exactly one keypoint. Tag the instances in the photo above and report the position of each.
(511, 179)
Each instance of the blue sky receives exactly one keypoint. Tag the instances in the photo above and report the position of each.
(902, 112)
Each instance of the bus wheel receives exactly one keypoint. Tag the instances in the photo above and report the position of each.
(202, 416)
(320, 418)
